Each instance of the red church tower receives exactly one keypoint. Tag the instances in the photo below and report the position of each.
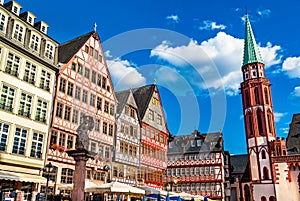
(259, 121)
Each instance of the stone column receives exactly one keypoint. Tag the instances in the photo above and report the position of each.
(80, 156)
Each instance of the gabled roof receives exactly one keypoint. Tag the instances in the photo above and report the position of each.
(238, 163)
(68, 49)
(122, 97)
(212, 142)
(142, 96)
(293, 139)
(251, 51)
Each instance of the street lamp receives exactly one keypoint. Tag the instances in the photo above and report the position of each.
(47, 170)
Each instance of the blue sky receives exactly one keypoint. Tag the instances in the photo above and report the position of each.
(193, 50)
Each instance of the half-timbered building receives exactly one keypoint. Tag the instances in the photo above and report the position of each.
(28, 58)
(154, 135)
(197, 164)
(84, 87)
(126, 158)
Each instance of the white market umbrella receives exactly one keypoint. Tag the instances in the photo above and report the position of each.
(116, 187)
(88, 184)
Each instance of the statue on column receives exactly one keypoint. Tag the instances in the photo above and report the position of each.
(87, 125)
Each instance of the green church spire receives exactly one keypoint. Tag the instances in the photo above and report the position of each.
(251, 51)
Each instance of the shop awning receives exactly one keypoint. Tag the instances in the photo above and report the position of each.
(16, 176)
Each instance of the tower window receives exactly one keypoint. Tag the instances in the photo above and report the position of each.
(259, 122)
(269, 123)
(263, 154)
(266, 95)
(250, 124)
(247, 194)
(247, 98)
(256, 94)
(266, 173)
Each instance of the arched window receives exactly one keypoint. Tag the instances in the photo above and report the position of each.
(257, 102)
(266, 95)
(259, 121)
(263, 198)
(269, 123)
(246, 193)
(263, 154)
(250, 124)
(272, 198)
(266, 173)
(247, 98)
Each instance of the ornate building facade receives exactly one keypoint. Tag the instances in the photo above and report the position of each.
(154, 136)
(28, 65)
(197, 164)
(126, 160)
(270, 172)
(83, 88)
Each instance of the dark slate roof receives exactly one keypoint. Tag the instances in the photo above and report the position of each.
(122, 97)
(212, 142)
(238, 163)
(142, 96)
(68, 49)
(293, 139)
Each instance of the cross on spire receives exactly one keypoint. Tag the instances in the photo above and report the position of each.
(95, 27)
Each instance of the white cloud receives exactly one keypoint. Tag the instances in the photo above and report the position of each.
(107, 54)
(217, 61)
(124, 74)
(292, 67)
(285, 130)
(278, 116)
(266, 12)
(296, 92)
(209, 25)
(173, 18)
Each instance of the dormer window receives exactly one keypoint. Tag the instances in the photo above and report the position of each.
(43, 29)
(15, 10)
(199, 143)
(18, 32)
(29, 19)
